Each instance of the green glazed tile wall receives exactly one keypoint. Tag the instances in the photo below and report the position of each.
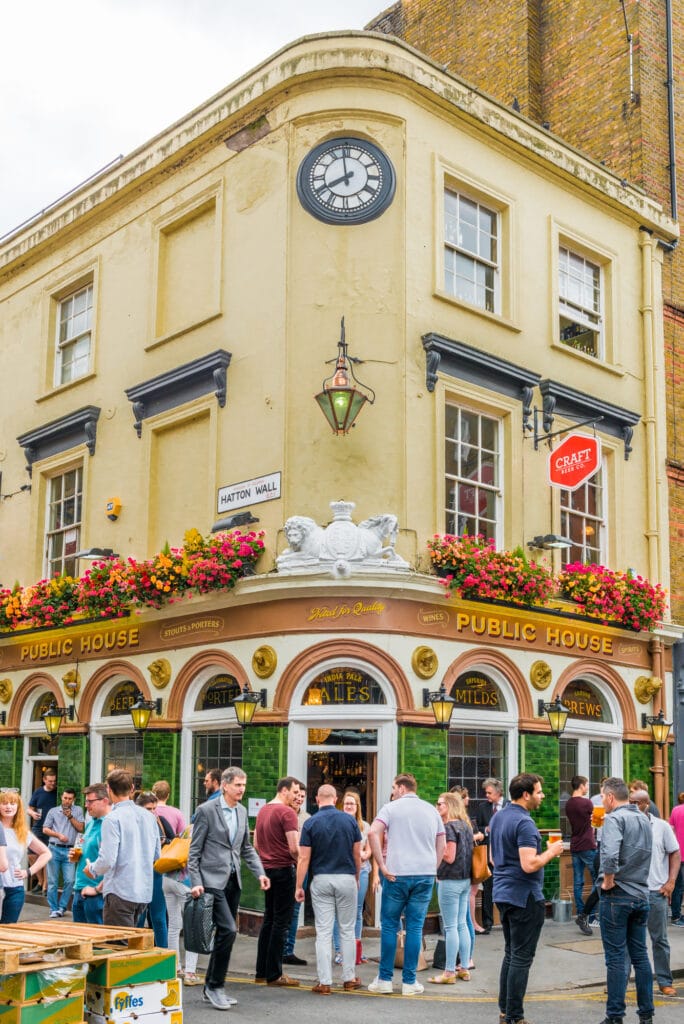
(637, 759)
(539, 755)
(423, 753)
(161, 760)
(74, 764)
(264, 759)
(11, 749)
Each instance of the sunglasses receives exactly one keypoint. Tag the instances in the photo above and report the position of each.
(7, 789)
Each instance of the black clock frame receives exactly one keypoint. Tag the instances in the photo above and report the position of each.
(323, 213)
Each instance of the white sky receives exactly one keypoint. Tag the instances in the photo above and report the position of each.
(82, 81)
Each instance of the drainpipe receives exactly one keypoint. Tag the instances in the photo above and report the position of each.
(648, 328)
(660, 769)
(670, 108)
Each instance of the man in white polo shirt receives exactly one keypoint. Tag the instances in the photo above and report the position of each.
(415, 846)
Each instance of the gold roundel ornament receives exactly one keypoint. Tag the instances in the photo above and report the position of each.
(160, 672)
(424, 662)
(264, 661)
(540, 675)
(346, 180)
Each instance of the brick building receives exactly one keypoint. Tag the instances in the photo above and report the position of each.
(600, 77)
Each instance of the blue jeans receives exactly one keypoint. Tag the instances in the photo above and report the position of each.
(87, 909)
(657, 929)
(156, 913)
(291, 937)
(454, 897)
(408, 895)
(471, 933)
(623, 931)
(676, 902)
(521, 929)
(12, 904)
(59, 862)
(584, 860)
(358, 928)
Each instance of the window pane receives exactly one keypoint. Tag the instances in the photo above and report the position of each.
(472, 488)
(473, 757)
(471, 251)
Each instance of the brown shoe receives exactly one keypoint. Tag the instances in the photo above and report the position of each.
(322, 990)
(668, 990)
(352, 984)
(284, 981)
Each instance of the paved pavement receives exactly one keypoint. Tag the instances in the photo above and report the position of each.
(566, 960)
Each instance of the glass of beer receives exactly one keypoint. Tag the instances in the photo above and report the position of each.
(597, 816)
(554, 837)
(75, 854)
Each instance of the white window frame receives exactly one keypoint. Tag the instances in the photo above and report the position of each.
(77, 340)
(480, 263)
(584, 730)
(451, 480)
(50, 564)
(199, 721)
(584, 314)
(588, 520)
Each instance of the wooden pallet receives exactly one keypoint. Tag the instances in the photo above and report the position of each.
(18, 942)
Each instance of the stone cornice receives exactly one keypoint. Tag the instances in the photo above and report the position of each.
(332, 55)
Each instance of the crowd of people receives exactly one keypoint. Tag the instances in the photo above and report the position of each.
(101, 864)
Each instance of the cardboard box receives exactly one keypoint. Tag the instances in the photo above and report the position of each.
(131, 967)
(61, 1011)
(174, 1017)
(118, 1003)
(30, 985)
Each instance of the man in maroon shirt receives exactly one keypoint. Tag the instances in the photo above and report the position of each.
(578, 811)
(276, 837)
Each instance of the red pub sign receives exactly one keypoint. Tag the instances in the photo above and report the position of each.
(574, 461)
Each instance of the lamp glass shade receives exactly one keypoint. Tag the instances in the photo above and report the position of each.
(245, 705)
(52, 720)
(558, 717)
(140, 713)
(341, 405)
(442, 707)
(660, 729)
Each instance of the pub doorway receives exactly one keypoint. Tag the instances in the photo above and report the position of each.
(343, 769)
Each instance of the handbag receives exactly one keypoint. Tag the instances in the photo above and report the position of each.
(174, 856)
(198, 923)
(479, 868)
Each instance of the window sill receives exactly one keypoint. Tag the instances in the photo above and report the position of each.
(186, 329)
(494, 318)
(596, 361)
(61, 388)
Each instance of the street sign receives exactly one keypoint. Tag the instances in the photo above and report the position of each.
(574, 461)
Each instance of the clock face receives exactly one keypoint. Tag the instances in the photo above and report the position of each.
(346, 181)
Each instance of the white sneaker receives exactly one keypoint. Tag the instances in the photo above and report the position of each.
(412, 990)
(378, 985)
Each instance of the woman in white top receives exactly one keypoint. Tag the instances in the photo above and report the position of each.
(19, 839)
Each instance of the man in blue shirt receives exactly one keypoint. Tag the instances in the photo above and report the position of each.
(130, 845)
(515, 850)
(330, 850)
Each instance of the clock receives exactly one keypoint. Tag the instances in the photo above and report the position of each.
(346, 181)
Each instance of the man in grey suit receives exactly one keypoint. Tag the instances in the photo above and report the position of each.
(220, 837)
